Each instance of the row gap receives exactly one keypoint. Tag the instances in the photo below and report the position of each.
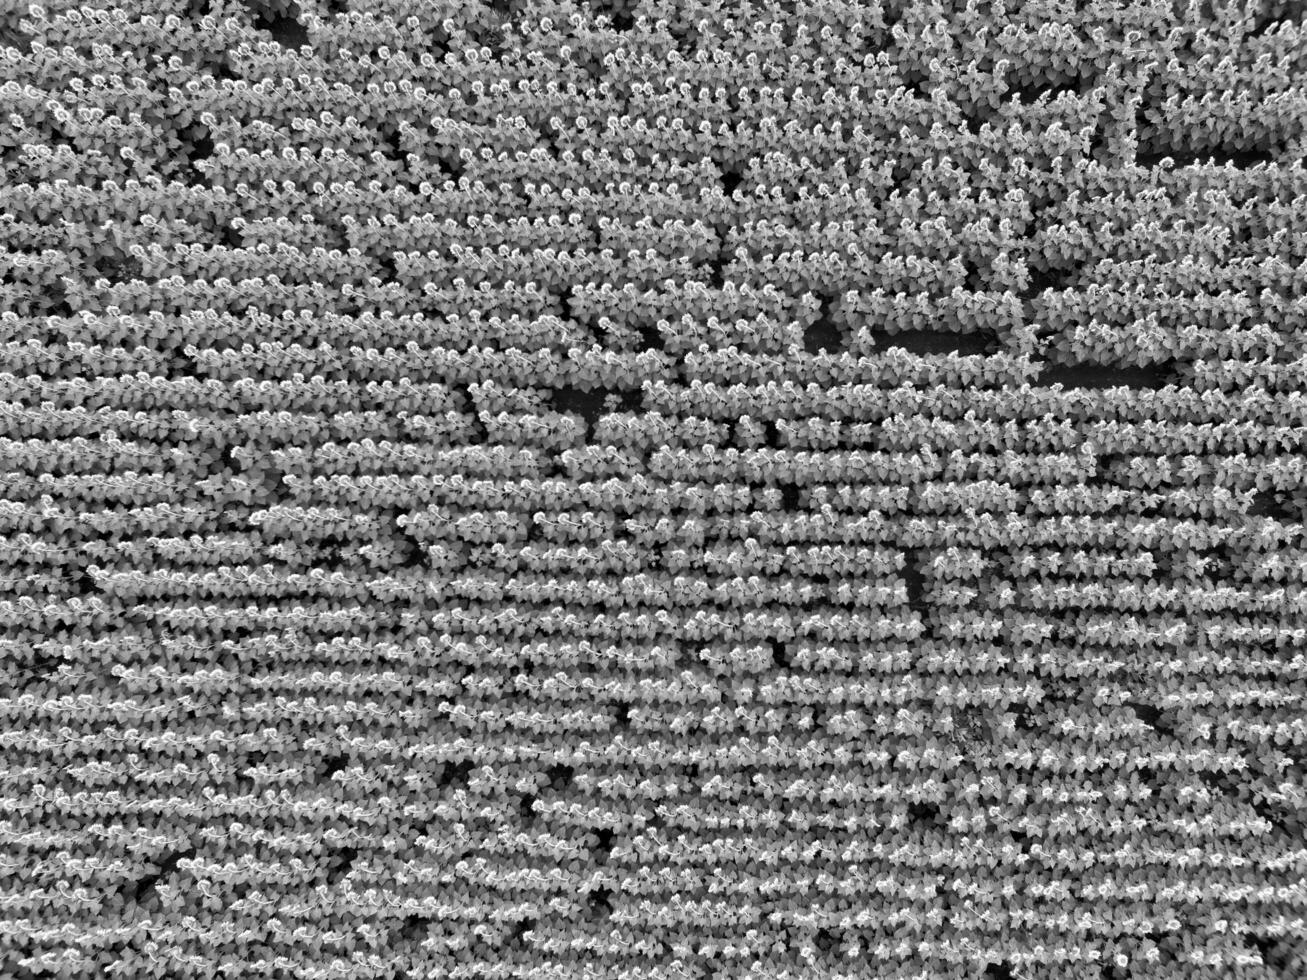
(340, 863)
(1096, 377)
(285, 28)
(144, 890)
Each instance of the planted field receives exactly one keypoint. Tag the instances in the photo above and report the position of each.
(657, 490)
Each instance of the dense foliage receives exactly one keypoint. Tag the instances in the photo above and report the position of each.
(575, 489)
